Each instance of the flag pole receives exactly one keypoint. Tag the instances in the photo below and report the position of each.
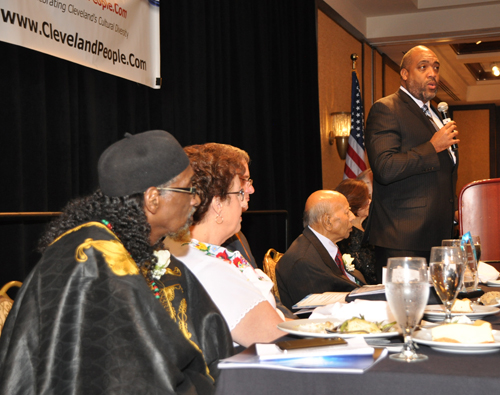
(355, 156)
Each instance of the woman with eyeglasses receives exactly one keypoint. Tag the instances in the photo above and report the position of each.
(242, 293)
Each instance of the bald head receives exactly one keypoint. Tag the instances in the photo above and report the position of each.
(328, 213)
(318, 204)
(408, 56)
(419, 71)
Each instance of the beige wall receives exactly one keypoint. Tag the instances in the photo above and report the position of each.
(335, 47)
(367, 79)
(474, 147)
(392, 81)
(379, 92)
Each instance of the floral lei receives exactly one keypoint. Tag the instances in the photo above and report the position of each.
(235, 258)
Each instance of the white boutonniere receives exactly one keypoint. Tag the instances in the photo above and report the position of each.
(348, 259)
(160, 268)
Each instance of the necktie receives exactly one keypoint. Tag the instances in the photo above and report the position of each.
(426, 111)
(340, 263)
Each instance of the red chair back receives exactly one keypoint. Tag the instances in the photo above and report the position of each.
(479, 213)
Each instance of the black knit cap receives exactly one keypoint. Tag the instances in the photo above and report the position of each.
(140, 161)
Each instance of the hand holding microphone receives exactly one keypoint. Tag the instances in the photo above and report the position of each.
(443, 109)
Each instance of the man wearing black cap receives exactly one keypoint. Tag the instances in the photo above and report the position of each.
(103, 312)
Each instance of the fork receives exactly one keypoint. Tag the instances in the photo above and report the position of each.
(335, 330)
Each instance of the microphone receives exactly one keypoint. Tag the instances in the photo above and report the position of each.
(443, 109)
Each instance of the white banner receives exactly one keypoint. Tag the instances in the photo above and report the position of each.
(120, 37)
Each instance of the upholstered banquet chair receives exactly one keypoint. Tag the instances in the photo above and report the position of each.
(6, 302)
(479, 213)
(269, 266)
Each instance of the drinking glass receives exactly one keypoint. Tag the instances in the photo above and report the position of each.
(447, 272)
(458, 243)
(407, 292)
(451, 242)
(476, 240)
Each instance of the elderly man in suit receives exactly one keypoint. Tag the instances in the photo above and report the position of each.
(313, 263)
(414, 169)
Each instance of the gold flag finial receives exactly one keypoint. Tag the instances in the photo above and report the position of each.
(354, 57)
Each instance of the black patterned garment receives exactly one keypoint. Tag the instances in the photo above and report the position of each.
(364, 254)
(86, 322)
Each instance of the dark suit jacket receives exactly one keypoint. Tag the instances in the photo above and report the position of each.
(308, 268)
(414, 195)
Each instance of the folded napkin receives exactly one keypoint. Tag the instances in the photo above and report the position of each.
(486, 272)
(372, 311)
(354, 346)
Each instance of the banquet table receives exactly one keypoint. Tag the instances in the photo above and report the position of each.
(443, 373)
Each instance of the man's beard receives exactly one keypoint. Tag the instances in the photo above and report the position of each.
(420, 92)
(183, 234)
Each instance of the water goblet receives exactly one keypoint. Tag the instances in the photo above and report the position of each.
(447, 266)
(407, 292)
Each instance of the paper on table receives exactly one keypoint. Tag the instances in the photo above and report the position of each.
(331, 364)
(315, 300)
(368, 290)
(370, 309)
(355, 346)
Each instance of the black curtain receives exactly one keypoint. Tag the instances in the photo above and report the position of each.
(236, 72)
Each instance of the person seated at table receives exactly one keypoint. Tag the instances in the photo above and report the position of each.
(358, 196)
(92, 318)
(238, 242)
(242, 293)
(313, 263)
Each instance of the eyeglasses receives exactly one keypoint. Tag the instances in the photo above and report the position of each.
(191, 190)
(241, 192)
(247, 180)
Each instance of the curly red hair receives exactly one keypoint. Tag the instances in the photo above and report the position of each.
(215, 165)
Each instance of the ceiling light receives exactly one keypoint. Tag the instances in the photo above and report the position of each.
(495, 70)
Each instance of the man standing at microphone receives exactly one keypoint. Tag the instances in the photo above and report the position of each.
(414, 167)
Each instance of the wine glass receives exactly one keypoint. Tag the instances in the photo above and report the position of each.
(457, 243)
(451, 242)
(473, 266)
(407, 292)
(476, 240)
(447, 272)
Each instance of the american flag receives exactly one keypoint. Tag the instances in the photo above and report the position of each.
(355, 158)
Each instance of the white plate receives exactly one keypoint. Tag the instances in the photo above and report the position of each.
(436, 312)
(424, 336)
(492, 305)
(493, 283)
(291, 327)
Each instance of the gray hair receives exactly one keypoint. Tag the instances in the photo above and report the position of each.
(316, 212)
